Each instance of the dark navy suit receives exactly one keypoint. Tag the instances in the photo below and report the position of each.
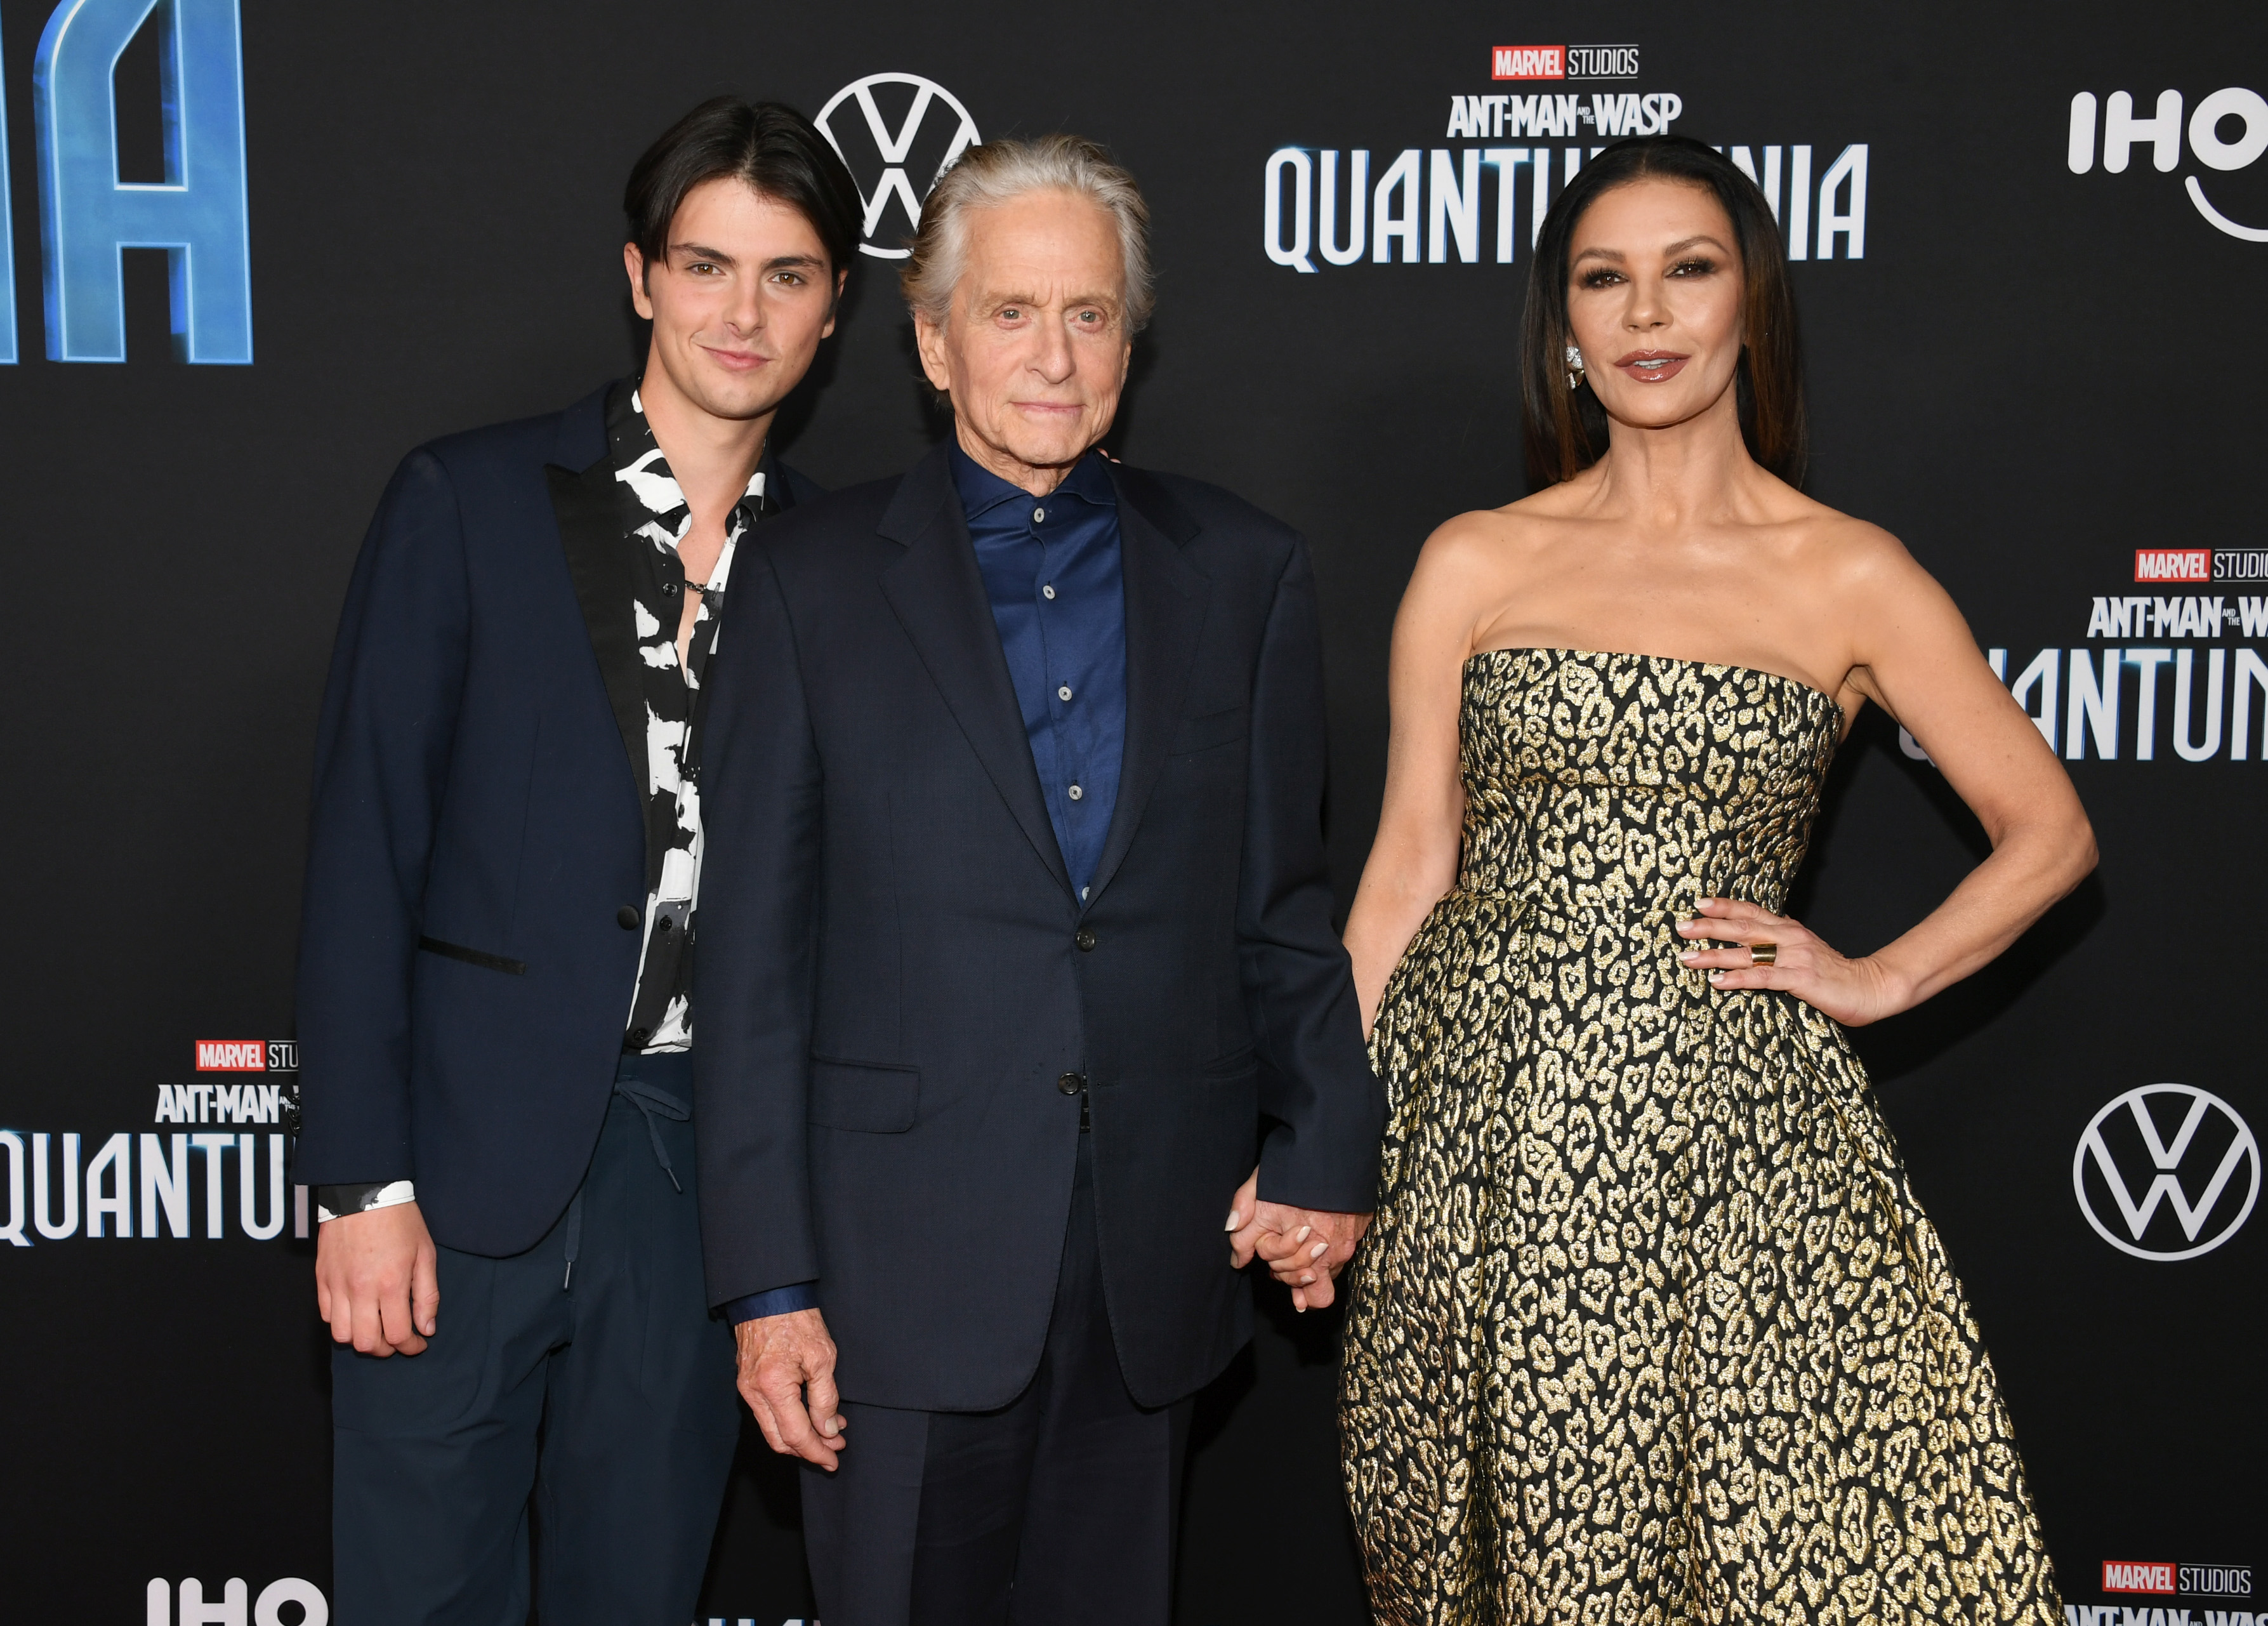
(479, 774)
(906, 1011)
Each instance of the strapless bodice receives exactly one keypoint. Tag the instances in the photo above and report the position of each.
(1609, 784)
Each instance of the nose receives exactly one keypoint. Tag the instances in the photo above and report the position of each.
(1053, 359)
(746, 312)
(1646, 308)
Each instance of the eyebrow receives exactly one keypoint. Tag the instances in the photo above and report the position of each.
(777, 263)
(997, 301)
(1677, 247)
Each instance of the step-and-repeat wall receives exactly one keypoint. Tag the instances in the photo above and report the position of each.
(251, 253)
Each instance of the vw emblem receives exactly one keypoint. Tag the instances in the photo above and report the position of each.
(891, 152)
(2137, 1167)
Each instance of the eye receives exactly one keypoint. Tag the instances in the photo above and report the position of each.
(1090, 316)
(1012, 312)
(793, 279)
(1598, 276)
(1695, 267)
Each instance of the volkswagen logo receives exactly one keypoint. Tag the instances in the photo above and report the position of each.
(932, 131)
(2204, 1175)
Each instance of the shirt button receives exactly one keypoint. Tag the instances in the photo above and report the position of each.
(1086, 939)
(1064, 692)
(1047, 591)
(627, 918)
(1076, 793)
(669, 590)
(1038, 514)
(1071, 1083)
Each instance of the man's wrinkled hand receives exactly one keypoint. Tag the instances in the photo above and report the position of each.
(787, 1377)
(377, 1279)
(1303, 1248)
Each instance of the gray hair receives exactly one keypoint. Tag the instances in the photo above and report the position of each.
(998, 171)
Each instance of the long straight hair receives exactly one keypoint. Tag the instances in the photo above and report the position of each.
(1566, 428)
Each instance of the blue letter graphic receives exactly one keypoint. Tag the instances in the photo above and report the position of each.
(7, 241)
(197, 214)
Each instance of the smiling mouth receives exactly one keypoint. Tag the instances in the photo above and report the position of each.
(1651, 365)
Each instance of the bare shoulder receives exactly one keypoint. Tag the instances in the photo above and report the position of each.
(1486, 546)
(1846, 556)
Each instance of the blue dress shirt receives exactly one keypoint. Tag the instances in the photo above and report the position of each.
(1051, 569)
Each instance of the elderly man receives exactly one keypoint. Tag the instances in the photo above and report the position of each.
(1017, 951)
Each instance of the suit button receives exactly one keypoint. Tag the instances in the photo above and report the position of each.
(627, 918)
(1086, 938)
(1071, 1083)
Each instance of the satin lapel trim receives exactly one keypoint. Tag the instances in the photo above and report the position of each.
(938, 597)
(1166, 605)
(590, 532)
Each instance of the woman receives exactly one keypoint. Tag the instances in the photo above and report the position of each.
(1650, 1327)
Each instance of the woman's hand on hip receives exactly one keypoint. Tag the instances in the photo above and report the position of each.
(1796, 961)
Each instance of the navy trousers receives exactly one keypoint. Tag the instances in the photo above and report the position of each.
(569, 1429)
(1059, 1508)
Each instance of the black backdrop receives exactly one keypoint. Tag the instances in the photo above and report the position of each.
(2031, 373)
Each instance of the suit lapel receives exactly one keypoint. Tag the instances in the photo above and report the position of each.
(590, 533)
(1166, 603)
(938, 597)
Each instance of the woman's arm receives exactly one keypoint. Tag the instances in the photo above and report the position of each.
(1413, 858)
(1913, 655)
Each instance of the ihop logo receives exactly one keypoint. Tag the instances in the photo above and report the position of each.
(88, 216)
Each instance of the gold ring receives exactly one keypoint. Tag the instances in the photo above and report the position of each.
(1763, 953)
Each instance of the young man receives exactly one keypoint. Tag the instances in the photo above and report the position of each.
(495, 971)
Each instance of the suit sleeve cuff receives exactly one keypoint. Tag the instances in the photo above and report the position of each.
(773, 1301)
(333, 1201)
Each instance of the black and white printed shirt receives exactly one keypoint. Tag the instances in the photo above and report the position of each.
(655, 518)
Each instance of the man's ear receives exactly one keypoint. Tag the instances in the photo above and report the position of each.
(835, 303)
(634, 266)
(929, 339)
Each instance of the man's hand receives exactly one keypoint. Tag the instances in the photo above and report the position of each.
(787, 1377)
(1303, 1248)
(377, 1280)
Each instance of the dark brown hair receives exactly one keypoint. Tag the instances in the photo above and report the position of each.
(767, 144)
(1565, 429)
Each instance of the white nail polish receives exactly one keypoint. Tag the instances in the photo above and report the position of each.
(1231, 1226)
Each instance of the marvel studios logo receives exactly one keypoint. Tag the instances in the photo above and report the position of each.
(2197, 1580)
(1564, 62)
(247, 1056)
(2200, 564)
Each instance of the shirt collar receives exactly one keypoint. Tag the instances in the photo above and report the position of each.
(982, 490)
(642, 473)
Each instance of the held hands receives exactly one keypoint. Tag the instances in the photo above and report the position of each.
(377, 1280)
(1303, 1248)
(787, 1377)
(1854, 992)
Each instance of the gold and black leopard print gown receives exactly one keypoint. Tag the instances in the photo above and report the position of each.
(1650, 1327)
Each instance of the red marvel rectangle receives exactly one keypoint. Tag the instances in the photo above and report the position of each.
(231, 1055)
(2120, 1576)
(1528, 61)
(2173, 564)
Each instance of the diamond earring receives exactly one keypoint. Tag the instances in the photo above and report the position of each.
(1574, 368)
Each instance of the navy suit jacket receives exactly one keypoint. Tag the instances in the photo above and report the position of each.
(479, 785)
(895, 975)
